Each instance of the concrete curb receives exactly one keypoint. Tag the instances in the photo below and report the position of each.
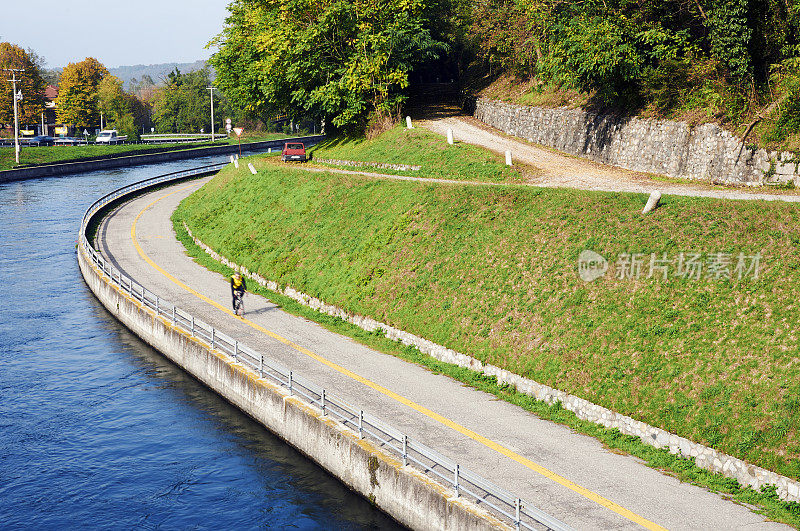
(53, 170)
(403, 492)
(704, 457)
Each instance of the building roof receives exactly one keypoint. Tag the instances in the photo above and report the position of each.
(51, 92)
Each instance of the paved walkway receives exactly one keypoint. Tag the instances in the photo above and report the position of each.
(608, 491)
(565, 171)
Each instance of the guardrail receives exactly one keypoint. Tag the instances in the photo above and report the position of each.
(503, 504)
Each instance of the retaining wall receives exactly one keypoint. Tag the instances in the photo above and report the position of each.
(403, 492)
(703, 456)
(52, 170)
(704, 152)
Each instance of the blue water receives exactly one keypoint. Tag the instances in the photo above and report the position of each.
(97, 430)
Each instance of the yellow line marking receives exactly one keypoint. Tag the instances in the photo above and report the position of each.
(588, 494)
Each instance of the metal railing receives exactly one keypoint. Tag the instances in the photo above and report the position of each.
(501, 503)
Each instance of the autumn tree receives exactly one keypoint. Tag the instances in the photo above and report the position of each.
(122, 111)
(78, 93)
(30, 82)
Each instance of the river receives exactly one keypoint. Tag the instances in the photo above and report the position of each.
(98, 430)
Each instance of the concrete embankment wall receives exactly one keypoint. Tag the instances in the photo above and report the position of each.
(403, 492)
(676, 149)
(704, 457)
(66, 168)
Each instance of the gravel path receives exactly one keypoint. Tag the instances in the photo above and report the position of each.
(565, 171)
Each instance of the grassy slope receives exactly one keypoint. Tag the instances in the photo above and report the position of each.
(421, 147)
(764, 502)
(55, 154)
(492, 273)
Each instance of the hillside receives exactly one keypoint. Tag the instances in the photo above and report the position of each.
(493, 272)
(158, 72)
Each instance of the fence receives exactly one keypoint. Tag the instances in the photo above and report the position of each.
(510, 508)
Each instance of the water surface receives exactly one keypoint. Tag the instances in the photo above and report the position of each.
(98, 430)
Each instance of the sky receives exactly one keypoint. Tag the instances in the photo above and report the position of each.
(115, 32)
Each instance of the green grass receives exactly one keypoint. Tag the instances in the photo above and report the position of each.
(766, 501)
(55, 154)
(421, 147)
(492, 272)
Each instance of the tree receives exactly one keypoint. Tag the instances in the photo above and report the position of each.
(78, 93)
(730, 37)
(111, 99)
(30, 82)
(184, 103)
(347, 61)
(120, 109)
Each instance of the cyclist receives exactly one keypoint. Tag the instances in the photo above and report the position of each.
(238, 287)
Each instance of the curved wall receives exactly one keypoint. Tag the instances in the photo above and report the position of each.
(403, 492)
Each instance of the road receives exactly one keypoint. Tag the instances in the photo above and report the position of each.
(558, 170)
(600, 489)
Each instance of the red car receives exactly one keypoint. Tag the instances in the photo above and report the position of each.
(293, 151)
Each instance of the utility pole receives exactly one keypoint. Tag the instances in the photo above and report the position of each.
(17, 97)
(212, 112)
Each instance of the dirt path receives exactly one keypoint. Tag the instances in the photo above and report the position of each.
(564, 171)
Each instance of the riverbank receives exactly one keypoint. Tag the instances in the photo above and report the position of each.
(52, 170)
(369, 468)
(100, 431)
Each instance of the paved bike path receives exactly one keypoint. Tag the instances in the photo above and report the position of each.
(609, 491)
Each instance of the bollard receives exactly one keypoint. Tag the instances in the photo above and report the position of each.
(408, 123)
(235, 163)
(449, 136)
(252, 168)
(232, 160)
(508, 158)
(652, 202)
(269, 150)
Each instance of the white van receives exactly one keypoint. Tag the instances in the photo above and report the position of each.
(109, 136)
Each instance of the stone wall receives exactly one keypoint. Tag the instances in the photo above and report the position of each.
(676, 149)
(703, 456)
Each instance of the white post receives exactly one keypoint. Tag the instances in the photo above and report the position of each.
(449, 136)
(408, 123)
(252, 168)
(652, 201)
(212, 112)
(16, 118)
(508, 158)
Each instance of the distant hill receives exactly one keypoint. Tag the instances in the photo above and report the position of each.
(157, 72)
